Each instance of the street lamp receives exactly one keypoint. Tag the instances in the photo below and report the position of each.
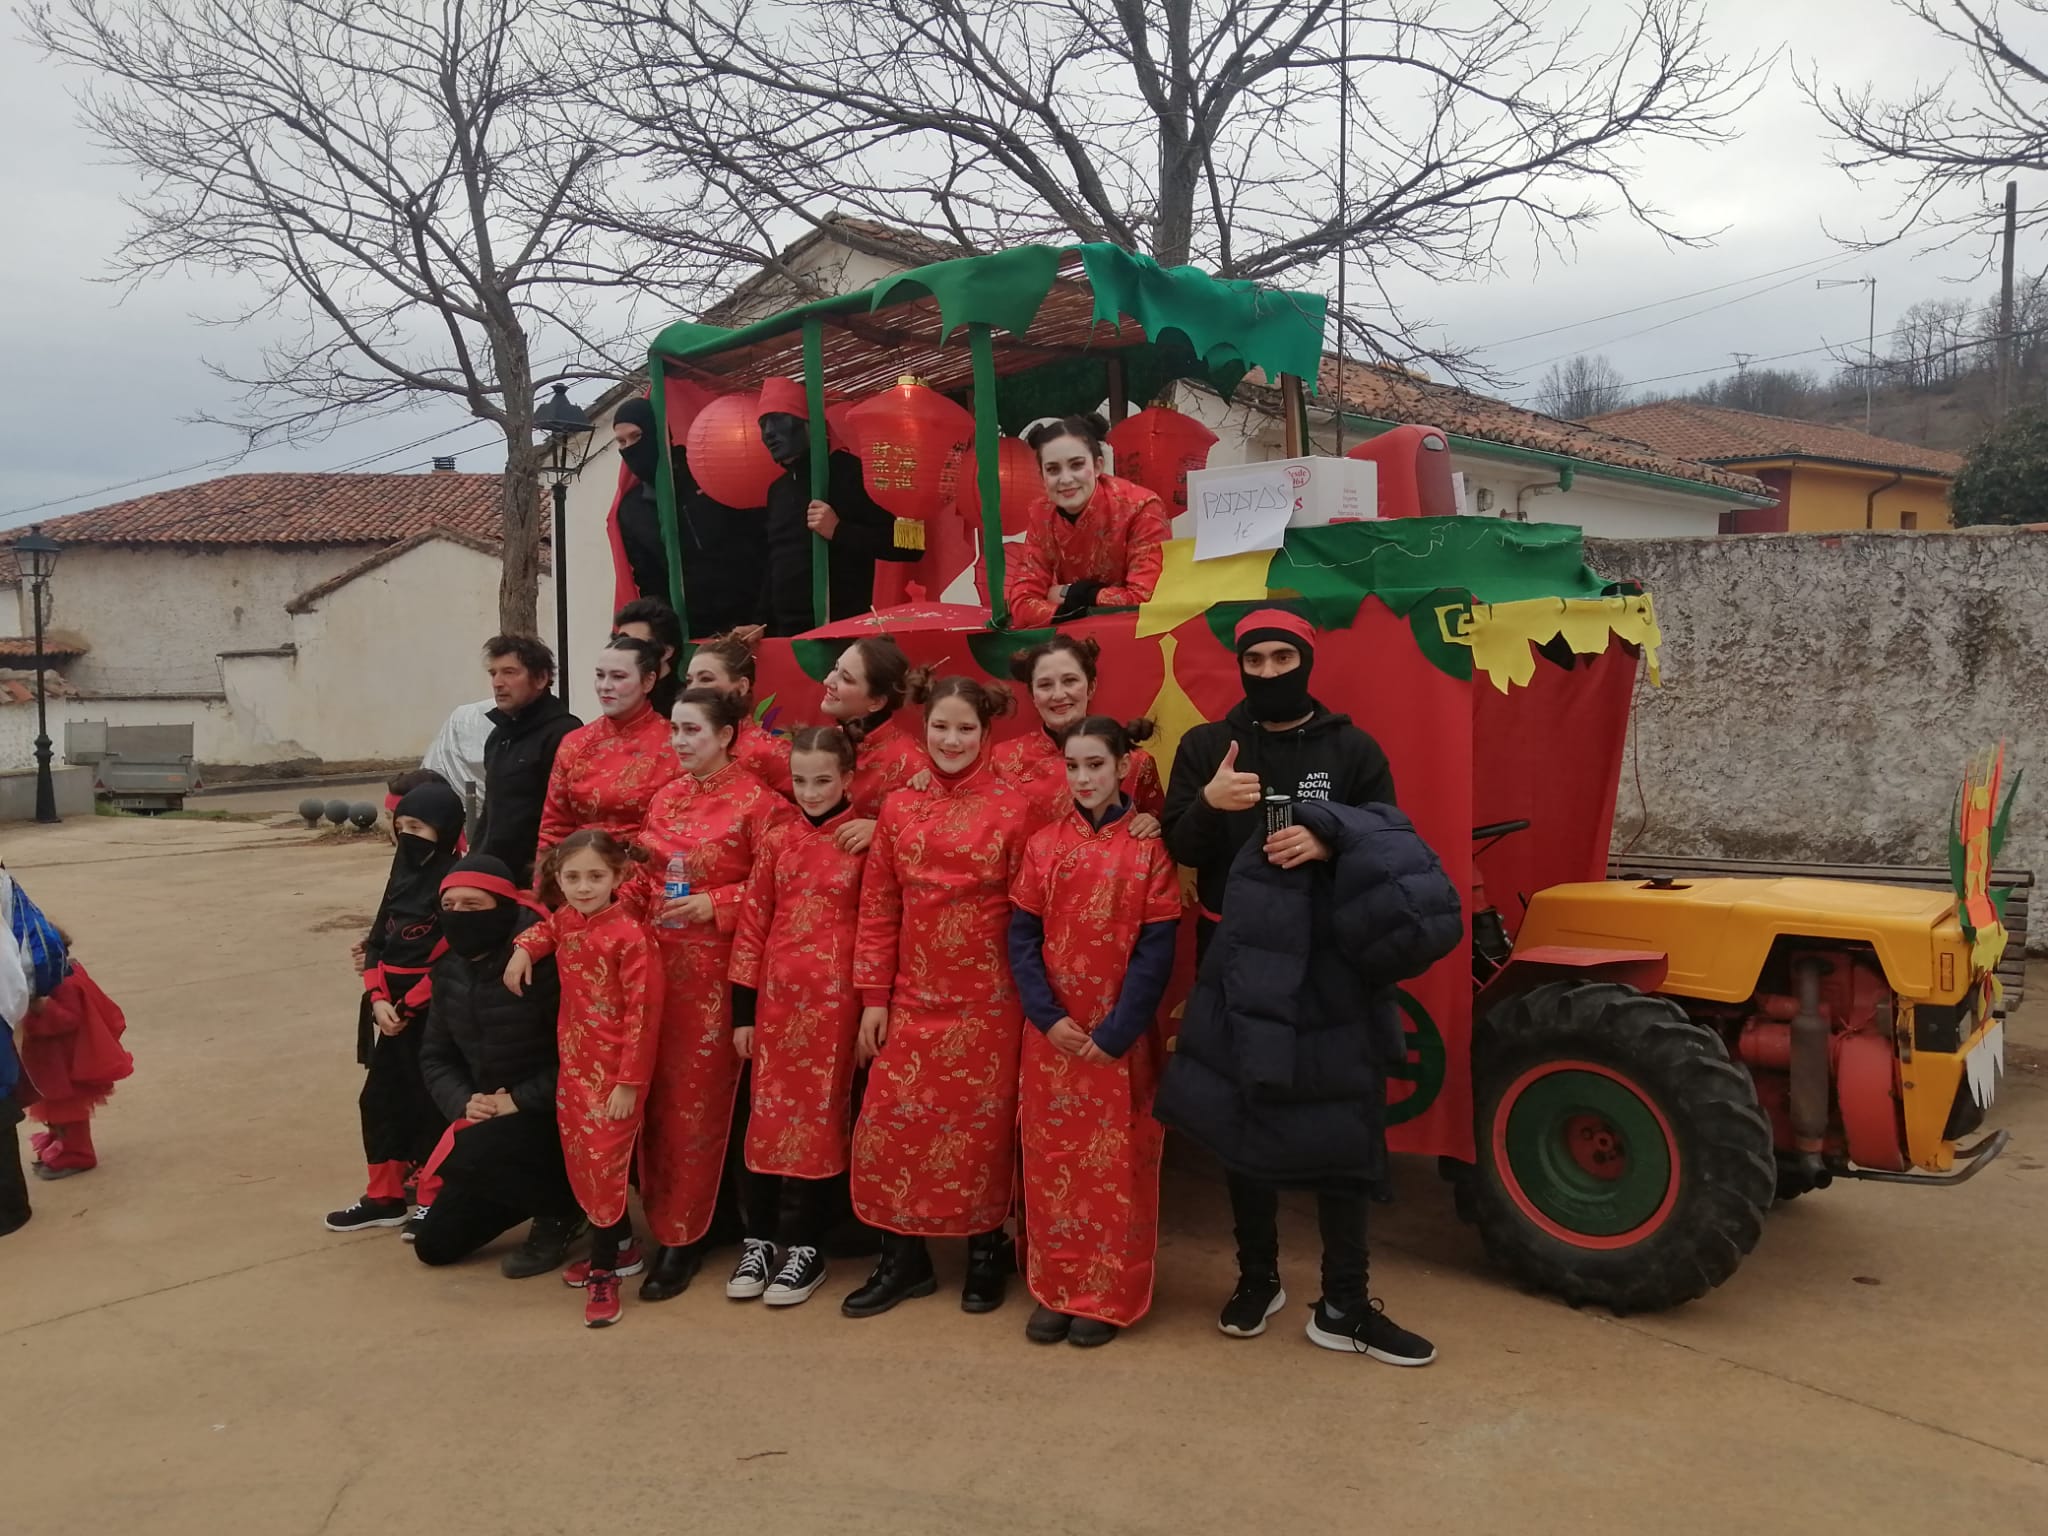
(36, 553)
(561, 421)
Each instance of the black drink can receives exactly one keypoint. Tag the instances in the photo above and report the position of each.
(1279, 811)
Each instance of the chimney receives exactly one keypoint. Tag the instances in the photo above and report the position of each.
(444, 466)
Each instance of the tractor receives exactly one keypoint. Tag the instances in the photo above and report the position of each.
(1620, 1091)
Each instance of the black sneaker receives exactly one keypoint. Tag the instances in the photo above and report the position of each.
(411, 1230)
(1256, 1298)
(756, 1266)
(1367, 1330)
(369, 1213)
(1047, 1326)
(802, 1272)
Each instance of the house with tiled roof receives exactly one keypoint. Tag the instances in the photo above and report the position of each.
(1822, 476)
(272, 612)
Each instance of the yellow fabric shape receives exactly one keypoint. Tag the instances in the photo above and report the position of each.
(1188, 586)
(1503, 636)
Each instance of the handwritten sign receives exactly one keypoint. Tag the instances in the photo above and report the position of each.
(1245, 509)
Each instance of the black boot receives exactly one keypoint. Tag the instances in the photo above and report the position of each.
(546, 1247)
(672, 1272)
(14, 1211)
(905, 1271)
(991, 1260)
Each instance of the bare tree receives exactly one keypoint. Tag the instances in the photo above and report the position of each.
(407, 181)
(1580, 387)
(1951, 148)
(1192, 130)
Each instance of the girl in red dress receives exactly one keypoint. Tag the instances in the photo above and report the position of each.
(1091, 947)
(1059, 675)
(725, 664)
(1093, 541)
(863, 691)
(606, 772)
(796, 1015)
(935, 1149)
(610, 1020)
(714, 818)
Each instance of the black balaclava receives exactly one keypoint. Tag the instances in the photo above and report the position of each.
(1285, 697)
(476, 935)
(643, 457)
(440, 808)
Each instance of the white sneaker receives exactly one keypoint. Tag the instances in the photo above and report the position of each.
(803, 1271)
(750, 1275)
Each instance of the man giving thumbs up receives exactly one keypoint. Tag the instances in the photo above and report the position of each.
(1278, 740)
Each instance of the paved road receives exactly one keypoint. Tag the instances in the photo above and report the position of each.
(184, 1349)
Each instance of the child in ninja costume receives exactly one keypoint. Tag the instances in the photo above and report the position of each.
(400, 1123)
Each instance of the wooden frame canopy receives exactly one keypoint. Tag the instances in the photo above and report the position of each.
(1045, 327)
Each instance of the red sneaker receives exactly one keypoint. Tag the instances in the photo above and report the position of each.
(631, 1262)
(600, 1298)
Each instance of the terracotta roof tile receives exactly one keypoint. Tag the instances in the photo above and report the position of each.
(1722, 435)
(10, 568)
(316, 509)
(1394, 394)
(57, 645)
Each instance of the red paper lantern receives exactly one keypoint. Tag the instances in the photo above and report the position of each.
(912, 442)
(726, 453)
(1021, 484)
(1156, 448)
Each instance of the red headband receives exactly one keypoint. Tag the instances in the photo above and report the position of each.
(1274, 618)
(496, 885)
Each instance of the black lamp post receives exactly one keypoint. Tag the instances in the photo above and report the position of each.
(37, 553)
(560, 419)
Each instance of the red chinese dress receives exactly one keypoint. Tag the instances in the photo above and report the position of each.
(604, 775)
(935, 1149)
(611, 1012)
(716, 823)
(795, 949)
(1116, 540)
(763, 754)
(887, 758)
(1037, 767)
(1091, 1146)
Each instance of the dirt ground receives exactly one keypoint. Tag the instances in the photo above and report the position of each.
(185, 1349)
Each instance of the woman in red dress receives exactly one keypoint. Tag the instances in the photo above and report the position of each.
(606, 772)
(1059, 675)
(796, 1015)
(1093, 541)
(935, 1149)
(1091, 947)
(725, 664)
(863, 691)
(610, 1015)
(712, 819)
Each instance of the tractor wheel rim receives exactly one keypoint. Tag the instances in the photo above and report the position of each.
(1586, 1154)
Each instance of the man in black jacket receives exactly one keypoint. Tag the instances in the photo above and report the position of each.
(858, 531)
(723, 549)
(490, 1063)
(1279, 740)
(527, 725)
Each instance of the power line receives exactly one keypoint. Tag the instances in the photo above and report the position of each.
(1676, 298)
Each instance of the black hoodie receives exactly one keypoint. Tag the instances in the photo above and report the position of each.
(408, 922)
(866, 533)
(724, 549)
(1326, 757)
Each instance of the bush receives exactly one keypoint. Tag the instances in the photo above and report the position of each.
(2005, 477)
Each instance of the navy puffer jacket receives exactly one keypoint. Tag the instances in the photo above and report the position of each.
(1280, 1066)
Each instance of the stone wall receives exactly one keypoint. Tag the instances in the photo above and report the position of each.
(1822, 692)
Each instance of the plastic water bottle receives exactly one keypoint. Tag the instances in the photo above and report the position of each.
(676, 885)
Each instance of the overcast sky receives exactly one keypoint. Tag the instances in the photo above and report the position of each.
(98, 381)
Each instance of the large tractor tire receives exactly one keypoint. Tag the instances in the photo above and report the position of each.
(1623, 1160)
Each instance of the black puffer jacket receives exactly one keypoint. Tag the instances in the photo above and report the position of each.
(1279, 1069)
(519, 755)
(481, 1039)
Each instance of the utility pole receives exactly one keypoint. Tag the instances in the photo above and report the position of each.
(1870, 345)
(2005, 336)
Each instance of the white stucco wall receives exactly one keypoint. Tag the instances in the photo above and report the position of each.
(15, 619)
(380, 662)
(215, 732)
(158, 616)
